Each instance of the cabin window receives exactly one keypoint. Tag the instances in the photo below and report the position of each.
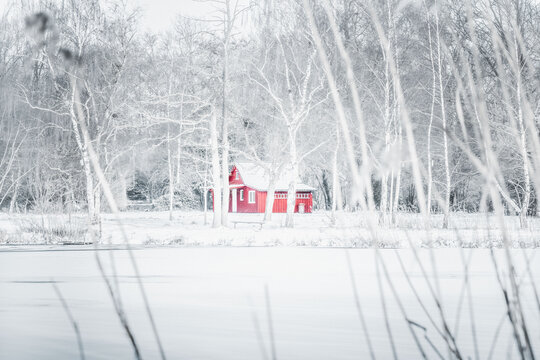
(251, 198)
(236, 176)
(241, 195)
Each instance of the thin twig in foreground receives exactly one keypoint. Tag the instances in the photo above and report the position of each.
(71, 319)
(383, 304)
(112, 203)
(270, 322)
(258, 332)
(358, 306)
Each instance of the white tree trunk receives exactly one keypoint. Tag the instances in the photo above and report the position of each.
(171, 176)
(444, 126)
(291, 195)
(85, 162)
(431, 114)
(291, 202)
(178, 159)
(384, 194)
(216, 176)
(335, 179)
(97, 206)
(397, 187)
(89, 187)
(205, 204)
(383, 208)
(270, 194)
(225, 134)
(523, 145)
(13, 201)
(399, 136)
(387, 124)
(391, 191)
(225, 184)
(122, 193)
(205, 186)
(526, 176)
(398, 129)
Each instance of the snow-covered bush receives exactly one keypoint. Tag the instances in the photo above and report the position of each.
(51, 231)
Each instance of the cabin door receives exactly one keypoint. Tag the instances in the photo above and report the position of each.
(234, 200)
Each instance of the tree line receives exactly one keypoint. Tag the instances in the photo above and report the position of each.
(383, 105)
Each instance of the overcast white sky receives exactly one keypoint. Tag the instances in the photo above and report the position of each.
(157, 14)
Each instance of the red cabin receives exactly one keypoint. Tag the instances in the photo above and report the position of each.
(248, 184)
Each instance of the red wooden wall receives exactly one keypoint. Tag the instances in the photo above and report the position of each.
(280, 202)
(243, 206)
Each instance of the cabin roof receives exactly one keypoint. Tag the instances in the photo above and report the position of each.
(255, 176)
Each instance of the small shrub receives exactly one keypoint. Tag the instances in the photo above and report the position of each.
(50, 232)
(177, 241)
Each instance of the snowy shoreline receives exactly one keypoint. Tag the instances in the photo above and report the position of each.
(188, 229)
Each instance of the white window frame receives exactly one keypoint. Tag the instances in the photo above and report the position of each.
(242, 195)
(251, 196)
(236, 175)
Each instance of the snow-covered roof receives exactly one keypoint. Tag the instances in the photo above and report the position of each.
(255, 176)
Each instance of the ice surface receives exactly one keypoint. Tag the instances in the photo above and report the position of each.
(207, 302)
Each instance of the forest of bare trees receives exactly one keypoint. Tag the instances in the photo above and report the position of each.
(427, 106)
(416, 121)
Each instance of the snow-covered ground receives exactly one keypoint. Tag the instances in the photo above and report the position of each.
(207, 286)
(189, 229)
(210, 303)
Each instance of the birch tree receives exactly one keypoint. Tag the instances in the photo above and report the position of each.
(444, 122)
(228, 13)
(294, 95)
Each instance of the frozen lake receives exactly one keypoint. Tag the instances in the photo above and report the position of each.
(209, 303)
